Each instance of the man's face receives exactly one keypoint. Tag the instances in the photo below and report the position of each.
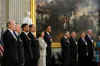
(26, 28)
(49, 28)
(18, 29)
(33, 29)
(99, 38)
(12, 25)
(74, 34)
(67, 35)
(90, 32)
(83, 35)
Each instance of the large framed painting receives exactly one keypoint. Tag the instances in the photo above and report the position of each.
(67, 15)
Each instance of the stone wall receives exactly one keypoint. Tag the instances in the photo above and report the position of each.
(13, 9)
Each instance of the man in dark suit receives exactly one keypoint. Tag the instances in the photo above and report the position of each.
(20, 46)
(34, 45)
(89, 39)
(74, 49)
(27, 44)
(83, 50)
(10, 45)
(66, 49)
(48, 39)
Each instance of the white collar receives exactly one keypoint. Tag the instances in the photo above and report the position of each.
(48, 33)
(12, 33)
(65, 37)
(17, 33)
(83, 39)
(10, 30)
(26, 33)
(32, 33)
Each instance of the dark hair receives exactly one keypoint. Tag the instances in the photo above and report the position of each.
(46, 27)
(23, 25)
(30, 26)
(66, 32)
(81, 32)
(39, 34)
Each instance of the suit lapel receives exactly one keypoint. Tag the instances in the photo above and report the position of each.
(14, 37)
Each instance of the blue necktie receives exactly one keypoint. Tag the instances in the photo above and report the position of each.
(15, 34)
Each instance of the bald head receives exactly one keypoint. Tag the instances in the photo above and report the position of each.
(90, 32)
(18, 28)
(11, 24)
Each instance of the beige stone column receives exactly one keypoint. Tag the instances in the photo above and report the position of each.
(18, 9)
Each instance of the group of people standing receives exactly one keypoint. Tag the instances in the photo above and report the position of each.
(23, 48)
(77, 52)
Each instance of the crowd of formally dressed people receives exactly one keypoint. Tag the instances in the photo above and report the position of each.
(23, 48)
(78, 52)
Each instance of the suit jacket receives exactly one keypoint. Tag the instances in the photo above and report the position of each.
(74, 47)
(48, 39)
(34, 46)
(66, 50)
(82, 48)
(10, 46)
(43, 46)
(27, 47)
(90, 46)
(20, 51)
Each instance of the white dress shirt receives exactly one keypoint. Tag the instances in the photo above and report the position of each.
(12, 34)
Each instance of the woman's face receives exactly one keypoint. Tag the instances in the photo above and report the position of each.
(42, 34)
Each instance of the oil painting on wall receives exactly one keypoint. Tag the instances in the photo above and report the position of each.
(68, 15)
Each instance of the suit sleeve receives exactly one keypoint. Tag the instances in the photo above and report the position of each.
(63, 43)
(30, 49)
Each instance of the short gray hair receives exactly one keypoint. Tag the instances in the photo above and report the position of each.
(8, 23)
(67, 32)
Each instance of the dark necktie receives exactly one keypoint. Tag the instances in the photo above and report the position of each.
(15, 34)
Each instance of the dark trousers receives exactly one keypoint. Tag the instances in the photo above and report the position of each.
(83, 61)
(74, 61)
(66, 63)
(8, 61)
(34, 62)
(48, 58)
(27, 61)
